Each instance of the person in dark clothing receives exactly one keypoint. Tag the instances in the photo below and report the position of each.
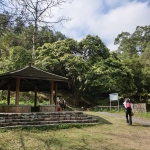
(128, 112)
(64, 104)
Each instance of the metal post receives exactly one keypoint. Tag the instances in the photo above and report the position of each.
(17, 90)
(110, 104)
(118, 105)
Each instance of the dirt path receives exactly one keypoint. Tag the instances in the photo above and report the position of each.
(134, 119)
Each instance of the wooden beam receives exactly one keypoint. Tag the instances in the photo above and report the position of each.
(51, 92)
(17, 90)
(8, 94)
(35, 96)
(29, 82)
(55, 94)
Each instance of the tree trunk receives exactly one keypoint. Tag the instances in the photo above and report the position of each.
(34, 39)
(33, 48)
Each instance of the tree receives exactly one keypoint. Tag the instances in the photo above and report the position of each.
(145, 61)
(19, 26)
(142, 37)
(134, 51)
(45, 35)
(111, 75)
(38, 13)
(20, 35)
(92, 47)
(53, 56)
(133, 44)
(60, 58)
(18, 57)
(127, 45)
(74, 60)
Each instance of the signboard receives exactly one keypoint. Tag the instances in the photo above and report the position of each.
(113, 96)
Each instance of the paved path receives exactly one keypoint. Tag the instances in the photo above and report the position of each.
(137, 120)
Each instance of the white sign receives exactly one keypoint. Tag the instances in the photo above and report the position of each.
(113, 96)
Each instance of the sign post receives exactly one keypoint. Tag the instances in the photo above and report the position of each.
(113, 97)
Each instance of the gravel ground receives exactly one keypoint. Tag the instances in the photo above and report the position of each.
(134, 119)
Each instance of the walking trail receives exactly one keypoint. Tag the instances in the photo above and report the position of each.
(134, 119)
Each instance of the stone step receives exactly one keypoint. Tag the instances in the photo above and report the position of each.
(33, 115)
(46, 122)
(24, 119)
(44, 119)
(41, 113)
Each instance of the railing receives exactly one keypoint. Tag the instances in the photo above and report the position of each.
(102, 108)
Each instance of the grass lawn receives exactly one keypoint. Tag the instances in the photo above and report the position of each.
(111, 134)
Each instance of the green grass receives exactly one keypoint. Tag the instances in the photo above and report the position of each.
(110, 134)
(23, 102)
(145, 115)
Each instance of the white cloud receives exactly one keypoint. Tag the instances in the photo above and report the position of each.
(89, 17)
(113, 3)
(124, 18)
(81, 12)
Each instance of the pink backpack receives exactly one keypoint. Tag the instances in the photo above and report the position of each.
(128, 105)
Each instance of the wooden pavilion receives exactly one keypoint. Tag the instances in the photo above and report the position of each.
(33, 79)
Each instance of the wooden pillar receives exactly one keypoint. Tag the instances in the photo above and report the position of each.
(8, 94)
(55, 94)
(51, 92)
(17, 90)
(35, 96)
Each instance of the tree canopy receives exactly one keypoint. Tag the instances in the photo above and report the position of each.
(93, 71)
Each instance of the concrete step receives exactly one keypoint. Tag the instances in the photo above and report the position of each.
(5, 124)
(24, 119)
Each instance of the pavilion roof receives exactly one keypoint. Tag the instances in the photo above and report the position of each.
(30, 77)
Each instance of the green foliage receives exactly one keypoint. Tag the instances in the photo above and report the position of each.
(134, 51)
(93, 71)
(19, 57)
(92, 47)
(25, 98)
(112, 75)
(145, 61)
(59, 58)
(4, 21)
(133, 44)
(66, 58)
(16, 57)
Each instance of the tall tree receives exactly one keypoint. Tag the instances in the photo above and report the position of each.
(18, 57)
(133, 44)
(127, 45)
(111, 75)
(60, 58)
(134, 51)
(145, 61)
(92, 47)
(38, 13)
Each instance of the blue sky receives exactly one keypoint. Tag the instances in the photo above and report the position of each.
(105, 18)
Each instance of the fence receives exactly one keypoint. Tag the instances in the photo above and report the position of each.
(140, 108)
(103, 108)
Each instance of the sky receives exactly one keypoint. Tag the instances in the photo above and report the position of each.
(104, 18)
